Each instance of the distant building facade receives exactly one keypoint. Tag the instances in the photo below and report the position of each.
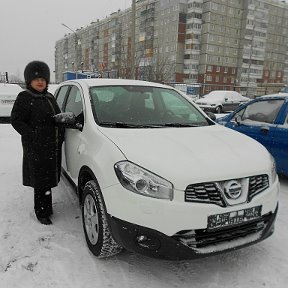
(220, 43)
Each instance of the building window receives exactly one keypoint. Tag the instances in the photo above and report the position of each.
(209, 78)
(209, 68)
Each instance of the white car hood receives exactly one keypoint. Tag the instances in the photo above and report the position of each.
(192, 155)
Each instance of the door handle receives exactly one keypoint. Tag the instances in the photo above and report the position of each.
(264, 130)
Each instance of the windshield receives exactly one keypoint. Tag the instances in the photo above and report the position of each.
(143, 106)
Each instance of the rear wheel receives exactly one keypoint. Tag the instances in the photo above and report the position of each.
(96, 229)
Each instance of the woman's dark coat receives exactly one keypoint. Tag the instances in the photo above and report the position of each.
(32, 117)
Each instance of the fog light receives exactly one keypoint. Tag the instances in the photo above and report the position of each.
(147, 242)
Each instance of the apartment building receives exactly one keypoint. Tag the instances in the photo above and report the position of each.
(222, 44)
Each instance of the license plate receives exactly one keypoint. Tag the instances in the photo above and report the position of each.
(7, 101)
(233, 218)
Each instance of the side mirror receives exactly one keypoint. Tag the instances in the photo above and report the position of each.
(211, 115)
(67, 120)
(238, 120)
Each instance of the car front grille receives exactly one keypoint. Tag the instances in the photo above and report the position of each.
(202, 238)
(204, 193)
(211, 192)
(257, 184)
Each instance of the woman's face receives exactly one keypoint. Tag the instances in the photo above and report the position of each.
(39, 84)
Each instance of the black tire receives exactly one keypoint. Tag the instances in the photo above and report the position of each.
(95, 226)
(218, 110)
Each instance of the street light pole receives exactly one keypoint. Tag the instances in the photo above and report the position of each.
(77, 42)
(68, 27)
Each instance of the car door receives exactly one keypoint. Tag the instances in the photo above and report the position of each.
(227, 103)
(234, 102)
(61, 95)
(279, 147)
(74, 141)
(257, 120)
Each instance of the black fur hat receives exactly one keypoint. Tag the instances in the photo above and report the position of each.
(36, 69)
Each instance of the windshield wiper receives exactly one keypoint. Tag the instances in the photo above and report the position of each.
(117, 124)
(180, 125)
(127, 125)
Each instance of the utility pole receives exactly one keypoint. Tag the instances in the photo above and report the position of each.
(133, 29)
(77, 43)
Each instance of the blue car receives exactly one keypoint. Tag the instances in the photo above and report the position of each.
(266, 120)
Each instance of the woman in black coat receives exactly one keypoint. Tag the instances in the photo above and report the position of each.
(32, 117)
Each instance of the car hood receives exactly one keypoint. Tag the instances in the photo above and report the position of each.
(223, 119)
(191, 155)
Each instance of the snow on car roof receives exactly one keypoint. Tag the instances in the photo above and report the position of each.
(222, 93)
(281, 95)
(52, 88)
(9, 89)
(105, 82)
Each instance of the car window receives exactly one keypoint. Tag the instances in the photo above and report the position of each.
(286, 121)
(74, 102)
(60, 97)
(177, 106)
(143, 105)
(262, 111)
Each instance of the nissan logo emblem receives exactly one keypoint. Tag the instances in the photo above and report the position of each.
(233, 189)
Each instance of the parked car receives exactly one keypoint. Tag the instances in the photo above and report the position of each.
(221, 101)
(155, 175)
(52, 88)
(266, 120)
(284, 90)
(8, 94)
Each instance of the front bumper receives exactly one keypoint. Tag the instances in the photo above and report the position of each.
(198, 243)
(208, 108)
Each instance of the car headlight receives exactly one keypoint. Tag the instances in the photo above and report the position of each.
(143, 182)
(273, 169)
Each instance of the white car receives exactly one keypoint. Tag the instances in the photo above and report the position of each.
(8, 95)
(52, 88)
(156, 176)
(220, 101)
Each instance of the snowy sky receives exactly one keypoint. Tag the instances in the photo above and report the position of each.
(30, 28)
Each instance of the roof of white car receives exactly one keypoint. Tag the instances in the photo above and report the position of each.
(112, 82)
(52, 88)
(223, 92)
(10, 89)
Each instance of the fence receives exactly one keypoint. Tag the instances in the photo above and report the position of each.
(200, 89)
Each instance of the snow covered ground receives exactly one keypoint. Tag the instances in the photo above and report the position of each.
(34, 255)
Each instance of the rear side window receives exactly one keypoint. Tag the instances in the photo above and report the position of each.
(74, 102)
(60, 97)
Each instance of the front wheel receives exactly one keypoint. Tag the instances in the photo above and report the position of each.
(95, 225)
